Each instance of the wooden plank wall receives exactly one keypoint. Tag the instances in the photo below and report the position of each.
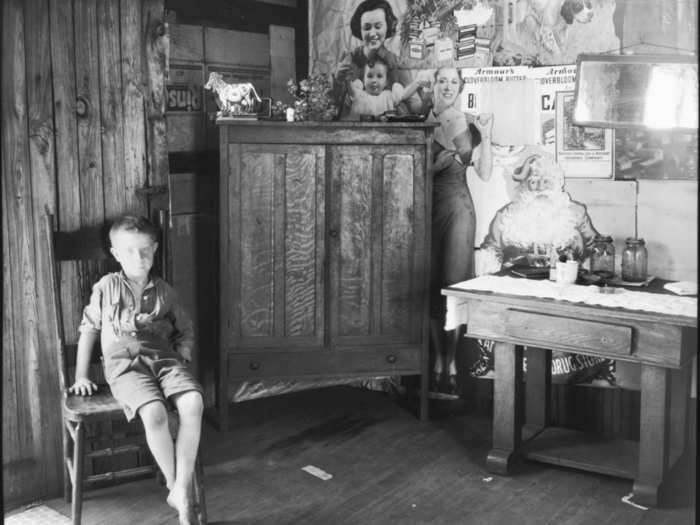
(83, 128)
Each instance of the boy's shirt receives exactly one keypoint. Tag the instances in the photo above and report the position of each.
(164, 330)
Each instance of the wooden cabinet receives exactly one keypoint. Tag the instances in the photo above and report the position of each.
(324, 232)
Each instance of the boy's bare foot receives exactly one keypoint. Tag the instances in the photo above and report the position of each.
(178, 500)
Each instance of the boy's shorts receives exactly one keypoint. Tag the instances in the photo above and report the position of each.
(149, 379)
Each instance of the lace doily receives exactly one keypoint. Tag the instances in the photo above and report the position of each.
(622, 298)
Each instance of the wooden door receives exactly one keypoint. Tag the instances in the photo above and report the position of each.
(377, 248)
(273, 271)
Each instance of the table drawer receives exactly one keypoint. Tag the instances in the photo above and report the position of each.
(548, 331)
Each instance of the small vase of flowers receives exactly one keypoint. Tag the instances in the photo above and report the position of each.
(313, 100)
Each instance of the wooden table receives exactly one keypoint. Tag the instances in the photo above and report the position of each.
(663, 345)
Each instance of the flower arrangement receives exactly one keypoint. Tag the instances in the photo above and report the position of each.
(312, 100)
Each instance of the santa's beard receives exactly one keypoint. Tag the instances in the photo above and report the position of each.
(540, 219)
(545, 199)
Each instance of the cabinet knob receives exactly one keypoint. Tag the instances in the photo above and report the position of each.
(391, 358)
(254, 365)
(333, 233)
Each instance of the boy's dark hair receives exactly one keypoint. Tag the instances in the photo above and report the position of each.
(374, 58)
(134, 223)
(371, 5)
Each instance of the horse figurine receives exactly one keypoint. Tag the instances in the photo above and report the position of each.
(232, 99)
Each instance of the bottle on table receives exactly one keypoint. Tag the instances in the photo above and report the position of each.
(634, 260)
(603, 257)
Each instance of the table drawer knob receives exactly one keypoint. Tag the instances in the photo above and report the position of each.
(254, 365)
(391, 358)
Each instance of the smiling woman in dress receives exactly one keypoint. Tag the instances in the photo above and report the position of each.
(459, 142)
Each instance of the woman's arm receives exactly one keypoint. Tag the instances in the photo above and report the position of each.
(484, 123)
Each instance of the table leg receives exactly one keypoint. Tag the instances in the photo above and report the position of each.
(507, 406)
(680, 392)
(653, 434)
(538, 387)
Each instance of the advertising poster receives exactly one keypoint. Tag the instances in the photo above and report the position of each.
(550, 80)
(581, 151)
(510, 94)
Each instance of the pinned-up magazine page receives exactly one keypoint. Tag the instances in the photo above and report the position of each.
(581, 151)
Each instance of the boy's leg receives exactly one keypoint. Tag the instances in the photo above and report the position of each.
(189, 407)
(155, 421)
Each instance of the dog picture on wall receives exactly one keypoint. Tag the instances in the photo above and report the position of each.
(543, 32)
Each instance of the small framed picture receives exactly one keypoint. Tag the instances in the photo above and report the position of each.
(264, 107)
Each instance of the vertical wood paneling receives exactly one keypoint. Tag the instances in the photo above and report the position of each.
(43, 364)
(64, 96)
(257, 255)
(133, 103)
(420, 275)
(11, 441)
(66, 145)
(87, 86)
(355, 218)
(279, 260)
(111, 111)
(300, 244)
(19, 464)
(155, 45)
(398, 244)
(51, 157)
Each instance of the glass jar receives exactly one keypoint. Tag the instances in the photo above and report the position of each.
(634, 260)
(603, 257)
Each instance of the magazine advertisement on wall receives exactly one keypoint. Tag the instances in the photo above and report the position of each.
(472, 33)
(580, 150)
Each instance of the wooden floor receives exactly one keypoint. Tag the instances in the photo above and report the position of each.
(387, 467)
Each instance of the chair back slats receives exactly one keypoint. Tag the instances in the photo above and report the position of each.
(56, 293)
(88, 243)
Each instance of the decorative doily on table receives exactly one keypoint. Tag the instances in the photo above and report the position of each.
(627, 299)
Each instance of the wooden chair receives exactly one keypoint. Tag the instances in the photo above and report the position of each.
(88, 247)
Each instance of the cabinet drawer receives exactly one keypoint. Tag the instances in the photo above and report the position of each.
(361, 362)
(549, 331)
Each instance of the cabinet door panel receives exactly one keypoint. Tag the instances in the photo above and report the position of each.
(354, 231)
(257, 220)
(280, 223)
(376, 265)
(398, 244)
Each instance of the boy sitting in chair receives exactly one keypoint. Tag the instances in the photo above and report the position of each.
(146, 340)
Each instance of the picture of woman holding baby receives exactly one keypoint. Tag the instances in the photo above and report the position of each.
(372, 23)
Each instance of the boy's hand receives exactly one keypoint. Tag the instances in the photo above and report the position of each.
(83, 387)
(186, 354)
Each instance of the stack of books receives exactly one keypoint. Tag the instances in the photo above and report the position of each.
(475, 32)
(466, 41)
(416, 45)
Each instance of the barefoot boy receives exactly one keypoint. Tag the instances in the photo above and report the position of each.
(146, 340)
